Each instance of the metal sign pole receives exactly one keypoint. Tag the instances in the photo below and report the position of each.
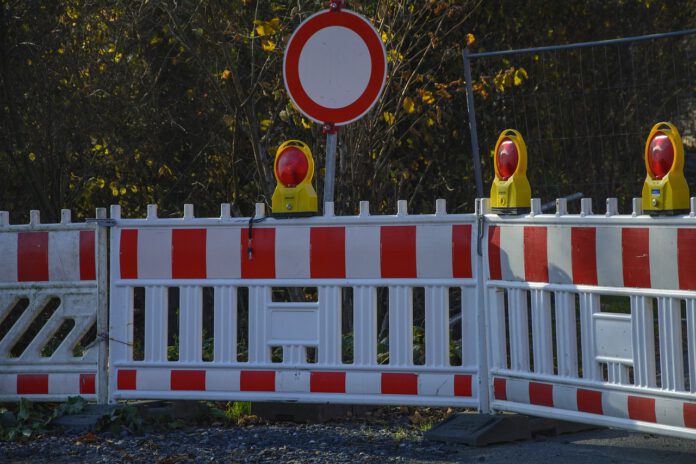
(472, 124)
(330, 168)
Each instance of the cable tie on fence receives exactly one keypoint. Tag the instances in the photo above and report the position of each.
(250, 249)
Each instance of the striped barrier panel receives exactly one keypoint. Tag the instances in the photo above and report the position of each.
(48, 309)
(243, 265)
(593, 318)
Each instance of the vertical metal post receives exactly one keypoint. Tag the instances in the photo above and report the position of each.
(472, 124)
(102, 257)
(330, 168)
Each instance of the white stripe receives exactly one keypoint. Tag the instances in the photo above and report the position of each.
(292, 252)
(222, 380)
(664, 271)
(154, 253)
(8, 257)
(363, 252)
(222, 253)
(61, 384)
(436, 385)
(292, 381)
(615, 404)
(434, 251)
(565, 397)
(518, 391)
(512, 252)
(558, 249)
(669, 412)
(609, 257)
(64, 255)
(366, 383)
(8, 384)
(157, 379)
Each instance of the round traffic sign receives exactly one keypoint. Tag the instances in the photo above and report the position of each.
(334, 67)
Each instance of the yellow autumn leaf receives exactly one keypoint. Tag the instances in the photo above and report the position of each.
(32, 157)
(268, 45)
(389, 117)
(428, 97)
(114, 191)
(101, 182)
(305, 124)
(225, 74)
(264, 124)
(122, 190)
(470, 39)
(393, 56)
(385, 37)
(520, 76)
(117, 57)
(409, 105)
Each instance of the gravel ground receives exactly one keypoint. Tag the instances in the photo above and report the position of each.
(390, 437)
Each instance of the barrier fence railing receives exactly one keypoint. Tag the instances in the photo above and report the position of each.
(50, 309)
(592, 317)
(317, 310)
(589, 317)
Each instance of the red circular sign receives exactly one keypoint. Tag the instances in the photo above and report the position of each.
(335, 67)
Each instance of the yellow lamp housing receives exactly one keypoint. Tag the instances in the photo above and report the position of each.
(293, 168)
(665, 191)
(510, 192)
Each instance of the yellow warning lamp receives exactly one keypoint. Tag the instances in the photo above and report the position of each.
(294, 168)
(665, 191)
(510, 193)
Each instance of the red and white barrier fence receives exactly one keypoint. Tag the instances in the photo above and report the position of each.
(49, 302)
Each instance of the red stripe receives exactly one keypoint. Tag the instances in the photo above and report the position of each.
(126, 379)
(686, 256)
(189, 380)
(32, 384)
(398, 251)
(500, 389)
(327, 382)
(583, 248)
(589, 401)
(87, 384)
(536, 263)
(494, 253)
(641, 408)
(257, 381)
(32, 256)
(261, 263)
(327, 256)
(462, 385)
(87, 255)
(188, 254)
(635, 250)
(690, 415)
(399, 384)
(461, 251)
(541, 394)
(129, 254)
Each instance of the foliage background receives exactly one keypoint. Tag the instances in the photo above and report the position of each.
(173, 102)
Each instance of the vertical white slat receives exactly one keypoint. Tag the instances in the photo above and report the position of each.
(156, 308)
(589, 305)
(542, 336)
(364, 326)
(120, 325)
(643, 339)
(437, 326)
(469, 330)
(191, 324)
(294, 354)
(519, 329)
(691, 336)
(329, 326)
(671, 355)
(617, 373)
(498, 329)
(102, 274)
(566, 335)
(400, 326)
(259, 297)
(225, 324)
